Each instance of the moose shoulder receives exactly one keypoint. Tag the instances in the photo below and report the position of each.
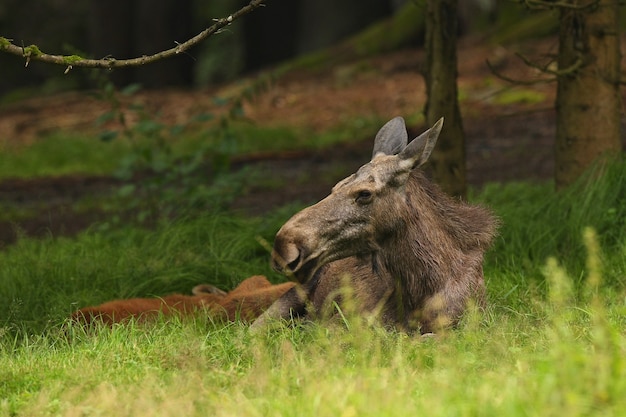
(410, 254)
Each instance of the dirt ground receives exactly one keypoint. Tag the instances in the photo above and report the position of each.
(509, 129)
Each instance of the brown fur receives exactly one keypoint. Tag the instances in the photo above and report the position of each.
(246, 302)
(411, 255)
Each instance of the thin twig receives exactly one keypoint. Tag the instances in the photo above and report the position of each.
(544, 69)
(514, 81)
(557, 73)
(33, 53)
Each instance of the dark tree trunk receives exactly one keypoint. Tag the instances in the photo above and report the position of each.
(270, 33)
(131, 28)
(448, 159)
(158, 26)
(588, 102)
(110, 34)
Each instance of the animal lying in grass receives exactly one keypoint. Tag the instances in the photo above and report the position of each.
(411, 256)
(246, 302)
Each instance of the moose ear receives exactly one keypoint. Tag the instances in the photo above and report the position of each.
(417, 152)
(391, 138)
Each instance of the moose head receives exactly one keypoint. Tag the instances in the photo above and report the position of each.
(361, 212)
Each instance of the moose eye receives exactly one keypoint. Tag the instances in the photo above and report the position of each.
(364, 197)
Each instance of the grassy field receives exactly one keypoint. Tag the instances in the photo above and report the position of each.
(551, 343)
(155, 146)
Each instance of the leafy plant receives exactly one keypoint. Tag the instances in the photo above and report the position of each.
(160, 182)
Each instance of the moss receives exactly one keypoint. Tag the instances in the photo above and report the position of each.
(519, 96)
(4, 43)
(72, 59)
(518, 29)
(390, 34)
(387, 35)
(32, 50)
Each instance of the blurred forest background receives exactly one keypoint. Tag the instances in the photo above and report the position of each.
(294, 89)
(123, 29)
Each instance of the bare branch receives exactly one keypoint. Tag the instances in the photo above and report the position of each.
(33, 53)
(544, 69)
(514, 81)
(558, 73)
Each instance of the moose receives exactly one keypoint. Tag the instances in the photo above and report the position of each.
(246, 302)
(410, 255)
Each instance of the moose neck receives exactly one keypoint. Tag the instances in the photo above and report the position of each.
(423, 254)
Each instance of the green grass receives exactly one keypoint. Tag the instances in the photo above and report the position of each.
(245, 138)
(43, 280)
(61, 155)
(564, 364)
(67, 154)
(539, 223)
(551, 343)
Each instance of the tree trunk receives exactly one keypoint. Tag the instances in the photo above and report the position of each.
(588, 101)
(125, 29)
(270, 33)
(158, 25)
(106, 41)
(440, 74)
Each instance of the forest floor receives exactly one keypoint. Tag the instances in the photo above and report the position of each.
(509, 129)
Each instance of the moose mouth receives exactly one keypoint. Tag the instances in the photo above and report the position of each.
(300, 268)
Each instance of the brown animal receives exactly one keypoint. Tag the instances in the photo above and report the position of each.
(246, 302)
(411, 254)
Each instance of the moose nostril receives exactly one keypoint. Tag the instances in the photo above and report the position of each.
(286, 255)
(294, 264)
